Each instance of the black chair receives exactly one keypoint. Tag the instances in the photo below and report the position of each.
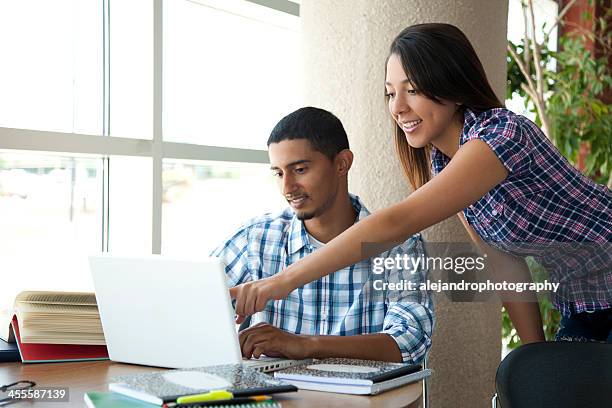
(556, 374)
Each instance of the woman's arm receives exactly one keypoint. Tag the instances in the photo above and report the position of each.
(473, 171)
(524, 313)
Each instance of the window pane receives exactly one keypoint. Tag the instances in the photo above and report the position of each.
(228, 76)
(131, 69)
(204, 202)
(50, 220)
(51, 71)
(130, 195)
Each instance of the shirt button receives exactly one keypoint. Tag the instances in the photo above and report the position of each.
(494, 212)
(324, 316)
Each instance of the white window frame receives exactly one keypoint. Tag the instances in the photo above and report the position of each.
(156, 148)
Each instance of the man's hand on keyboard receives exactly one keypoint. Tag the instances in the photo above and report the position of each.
(264, 339)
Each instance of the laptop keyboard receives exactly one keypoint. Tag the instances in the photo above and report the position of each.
(267, 364)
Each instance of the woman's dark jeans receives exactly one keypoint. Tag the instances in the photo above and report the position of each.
(596, 326)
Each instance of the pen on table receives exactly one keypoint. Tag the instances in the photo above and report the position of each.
(228, 401)
(215, 395)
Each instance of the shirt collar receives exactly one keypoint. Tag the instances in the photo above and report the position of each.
(469, 120)
(298, 236)
(438, 159)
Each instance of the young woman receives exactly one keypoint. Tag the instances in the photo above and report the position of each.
(464, 153)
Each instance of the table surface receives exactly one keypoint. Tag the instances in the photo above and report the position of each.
(82, 377)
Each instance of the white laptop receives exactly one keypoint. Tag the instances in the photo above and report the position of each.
(168, 312)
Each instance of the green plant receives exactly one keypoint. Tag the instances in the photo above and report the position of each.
(516, 83)
(565, 91)
(577, 114)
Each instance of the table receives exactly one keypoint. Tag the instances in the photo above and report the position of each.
(81, 377)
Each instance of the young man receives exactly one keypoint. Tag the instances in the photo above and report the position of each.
(345, 314)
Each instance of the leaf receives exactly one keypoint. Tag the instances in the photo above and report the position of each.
(568, 147)
(597, 88)
(596, 106)
(590, 162)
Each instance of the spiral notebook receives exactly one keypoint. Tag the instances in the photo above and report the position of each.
(114, 400)
(351, 376)
(160, 387)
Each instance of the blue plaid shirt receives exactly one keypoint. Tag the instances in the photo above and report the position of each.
(545, 208)
(343, 303)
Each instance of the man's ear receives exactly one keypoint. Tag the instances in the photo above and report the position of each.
(344, 161)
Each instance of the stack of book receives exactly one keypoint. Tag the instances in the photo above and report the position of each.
(351, 376)
(236, 385)
(223, 385)
(55, 326)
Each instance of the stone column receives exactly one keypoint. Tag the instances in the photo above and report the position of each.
(345, 43)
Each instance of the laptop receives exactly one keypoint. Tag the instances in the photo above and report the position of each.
(168, 312)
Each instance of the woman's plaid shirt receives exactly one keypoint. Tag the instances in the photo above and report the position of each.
(545, 208)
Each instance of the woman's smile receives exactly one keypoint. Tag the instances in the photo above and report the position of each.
(410, 126)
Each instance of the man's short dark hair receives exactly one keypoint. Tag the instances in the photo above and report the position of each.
(321, 128)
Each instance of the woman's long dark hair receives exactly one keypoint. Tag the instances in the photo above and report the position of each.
(440, 63)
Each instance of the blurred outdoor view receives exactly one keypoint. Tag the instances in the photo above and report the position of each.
(204, 203)
(49, 212)
(52, 204)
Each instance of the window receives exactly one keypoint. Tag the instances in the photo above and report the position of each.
(51, 71)
(196, 193)
(50, 207)
(135, 127)
(212, 88)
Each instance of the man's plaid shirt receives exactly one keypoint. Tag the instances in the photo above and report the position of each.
(343, 303)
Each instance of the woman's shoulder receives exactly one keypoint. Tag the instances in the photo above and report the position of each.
(492, 119)
(505, 132)
(501, 125)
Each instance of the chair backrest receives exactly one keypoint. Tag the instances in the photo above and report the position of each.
(556, 374)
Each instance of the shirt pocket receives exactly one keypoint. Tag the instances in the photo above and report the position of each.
(504, 218)
(484, 213)
(514, 219)
(267, 264)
